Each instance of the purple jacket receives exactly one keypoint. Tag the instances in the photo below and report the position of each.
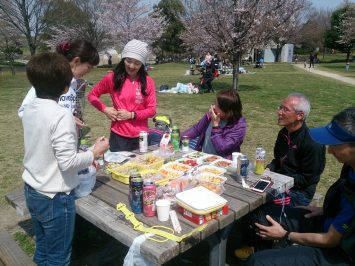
(225, 140)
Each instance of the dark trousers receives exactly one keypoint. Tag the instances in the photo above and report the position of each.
(119, 143)
(299, 256)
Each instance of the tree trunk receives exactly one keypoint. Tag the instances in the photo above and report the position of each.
(348, 55)
(236, 64)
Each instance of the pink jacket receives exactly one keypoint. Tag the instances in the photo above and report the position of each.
(129, 98)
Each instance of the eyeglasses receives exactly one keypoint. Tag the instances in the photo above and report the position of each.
(284, 109)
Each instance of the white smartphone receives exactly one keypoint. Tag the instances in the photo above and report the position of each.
(261, 185)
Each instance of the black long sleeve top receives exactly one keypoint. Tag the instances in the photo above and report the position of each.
(298, 156)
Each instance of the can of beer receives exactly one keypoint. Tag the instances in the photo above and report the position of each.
(185, 143)
(143, 141)
(260, 155)
(136, 193)
(149, 198)
(243, 164)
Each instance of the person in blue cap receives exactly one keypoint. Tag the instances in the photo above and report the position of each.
(323, 235)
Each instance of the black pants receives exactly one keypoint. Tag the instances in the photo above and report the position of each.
(299, 256)
(119, 143)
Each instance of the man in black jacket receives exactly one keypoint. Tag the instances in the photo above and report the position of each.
(324, 235)
(296, 154)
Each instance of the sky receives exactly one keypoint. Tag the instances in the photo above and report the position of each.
(328, 4)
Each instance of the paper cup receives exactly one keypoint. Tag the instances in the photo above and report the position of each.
(163, 209)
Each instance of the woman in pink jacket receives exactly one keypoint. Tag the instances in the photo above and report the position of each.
(133, 97)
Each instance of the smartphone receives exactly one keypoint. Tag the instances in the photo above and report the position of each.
(261, 185)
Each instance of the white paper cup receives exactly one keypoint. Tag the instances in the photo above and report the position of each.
(163, 209)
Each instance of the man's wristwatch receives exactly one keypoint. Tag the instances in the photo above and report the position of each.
(287, 237)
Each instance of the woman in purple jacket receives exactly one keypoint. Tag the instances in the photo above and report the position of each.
(221, 130)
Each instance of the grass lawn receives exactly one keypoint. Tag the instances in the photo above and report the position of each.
(260, 92)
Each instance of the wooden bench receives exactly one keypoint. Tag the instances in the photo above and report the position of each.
(11, 253)
(17, 200)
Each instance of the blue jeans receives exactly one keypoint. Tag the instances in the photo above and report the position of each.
(53, 223)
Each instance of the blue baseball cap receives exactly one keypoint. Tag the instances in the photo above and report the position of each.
(331, 134)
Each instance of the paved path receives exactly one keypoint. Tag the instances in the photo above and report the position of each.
(327, 74)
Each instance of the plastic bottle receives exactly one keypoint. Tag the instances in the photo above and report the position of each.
(83, 147)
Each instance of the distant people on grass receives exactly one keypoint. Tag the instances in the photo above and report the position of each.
(222, 129)
(133, 97)
(208, 76)
(311, 60)
(82, 57)
(347, 66)
(51, 160)
(109, 61)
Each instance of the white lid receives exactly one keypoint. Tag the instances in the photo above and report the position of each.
(200, 198)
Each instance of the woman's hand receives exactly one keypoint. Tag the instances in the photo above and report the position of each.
(272, 232)
(78, 122)
(214, 116)
(111, 113)
(123, 114)
(313, 211)
(101, 145)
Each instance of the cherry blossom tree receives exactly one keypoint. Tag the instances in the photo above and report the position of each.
(131, 19)
(26, 16)
(77, 19)
(9, 43)
(236, 26)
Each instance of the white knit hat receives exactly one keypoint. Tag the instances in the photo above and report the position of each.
(136, 49)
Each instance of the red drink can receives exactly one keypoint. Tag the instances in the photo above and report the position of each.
(149, 198)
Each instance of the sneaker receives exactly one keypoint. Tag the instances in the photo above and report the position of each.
(244, 252)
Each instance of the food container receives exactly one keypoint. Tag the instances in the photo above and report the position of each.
(203, 218)
(211, 170)
(195, 155)
(211, 158)
(150, 161)
(154, 176)
(176, 166)
(170, 174)
(190, 162)
(222, 163)
(170, 189)
(121, 172)
(200, 200)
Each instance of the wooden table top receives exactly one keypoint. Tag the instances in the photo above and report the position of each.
(100, 209)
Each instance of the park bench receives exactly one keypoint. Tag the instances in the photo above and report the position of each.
(11, 253)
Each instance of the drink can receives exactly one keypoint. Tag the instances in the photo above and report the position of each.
(136, 194)
(185, 143)
(260, 155)
(149, 198)
(243, 164)
(143, 141)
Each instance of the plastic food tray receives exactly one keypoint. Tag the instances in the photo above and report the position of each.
(121, 172)
(211, 170)
(176, 166)
(195, 155)
(190, 162)
(150, 161)
(211, 158)
(223, 163)
(200, 200)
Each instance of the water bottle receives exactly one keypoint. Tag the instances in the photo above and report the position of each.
(83, 147)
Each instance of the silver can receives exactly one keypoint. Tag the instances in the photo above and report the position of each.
(243, 164)
(143, 141)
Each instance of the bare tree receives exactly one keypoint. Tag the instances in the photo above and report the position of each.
(238, 25)
(26, 16)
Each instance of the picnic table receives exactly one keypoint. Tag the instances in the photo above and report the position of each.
(99, 208)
